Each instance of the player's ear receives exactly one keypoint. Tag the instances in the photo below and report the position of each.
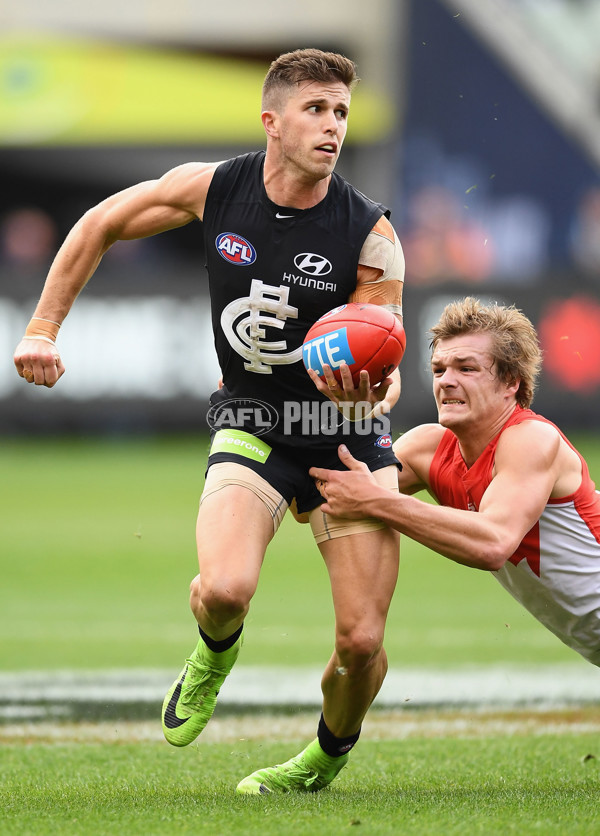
(270, 120)
(513, 385)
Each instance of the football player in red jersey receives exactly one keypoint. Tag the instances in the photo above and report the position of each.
(515, 497)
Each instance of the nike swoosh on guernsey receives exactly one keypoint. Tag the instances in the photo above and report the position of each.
(277, 215)
(172, 721)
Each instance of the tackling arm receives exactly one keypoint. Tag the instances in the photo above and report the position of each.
(525, 474)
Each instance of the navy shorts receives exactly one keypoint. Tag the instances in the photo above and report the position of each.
(287, 469)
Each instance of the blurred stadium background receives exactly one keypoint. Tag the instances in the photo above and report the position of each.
(478, 123)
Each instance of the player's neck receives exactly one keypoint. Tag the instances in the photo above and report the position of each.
(473, 441)
(294, 190)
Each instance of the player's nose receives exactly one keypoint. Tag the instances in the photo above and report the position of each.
(447, 378)
(330, 122)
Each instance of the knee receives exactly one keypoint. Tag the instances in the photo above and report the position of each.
(221, 599)
(358, 647)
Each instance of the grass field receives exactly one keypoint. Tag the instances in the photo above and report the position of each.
(97, 550)
(490, 784)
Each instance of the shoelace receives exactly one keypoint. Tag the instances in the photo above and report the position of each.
(297, 772)
(193, 693)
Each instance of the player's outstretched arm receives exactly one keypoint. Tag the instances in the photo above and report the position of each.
(453, 533)
(137, 212)
(526, 471)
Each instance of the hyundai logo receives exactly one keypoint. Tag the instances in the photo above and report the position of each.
(314, 265)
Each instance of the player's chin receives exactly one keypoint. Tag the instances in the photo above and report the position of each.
(325, 163)
(449, 418)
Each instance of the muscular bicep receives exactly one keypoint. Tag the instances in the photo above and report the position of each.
(523, 480)
(380, 277)
(154, 206)
(137, 213)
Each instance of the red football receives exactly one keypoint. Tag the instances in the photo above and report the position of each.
(363, 336)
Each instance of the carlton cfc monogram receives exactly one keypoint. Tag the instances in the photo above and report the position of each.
(244, 322)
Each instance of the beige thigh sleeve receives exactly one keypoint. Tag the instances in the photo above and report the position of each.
(231, 473)
(325, 527)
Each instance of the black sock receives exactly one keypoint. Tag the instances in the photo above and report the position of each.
(332, 745)
(224, 644)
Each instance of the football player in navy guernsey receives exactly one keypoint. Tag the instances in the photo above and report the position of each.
(287, 239)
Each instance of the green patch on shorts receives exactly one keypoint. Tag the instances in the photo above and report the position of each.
(240, 443)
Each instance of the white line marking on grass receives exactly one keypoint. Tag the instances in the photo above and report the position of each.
(264, 686)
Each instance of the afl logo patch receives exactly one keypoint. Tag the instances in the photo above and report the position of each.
(384, 441)
(235, 249)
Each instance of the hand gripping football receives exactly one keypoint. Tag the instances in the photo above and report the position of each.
(362, 335)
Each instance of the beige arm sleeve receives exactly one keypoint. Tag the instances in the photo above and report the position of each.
(380, 277)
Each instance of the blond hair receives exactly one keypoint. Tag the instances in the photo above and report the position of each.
(292, 68)
(515, 346)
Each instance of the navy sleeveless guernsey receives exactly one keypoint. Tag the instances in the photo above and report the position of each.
(273, 271)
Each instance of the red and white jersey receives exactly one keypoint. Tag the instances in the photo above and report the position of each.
(555, 572)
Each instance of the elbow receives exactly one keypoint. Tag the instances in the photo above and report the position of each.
(491, 546)
(492, 557)
(495, 562)
(95, 225)
(92, 218)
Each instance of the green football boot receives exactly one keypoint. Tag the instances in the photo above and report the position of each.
(190, 702)
(309, 771)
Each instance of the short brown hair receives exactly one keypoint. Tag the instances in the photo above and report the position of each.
(292, 68)
(515, 345)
